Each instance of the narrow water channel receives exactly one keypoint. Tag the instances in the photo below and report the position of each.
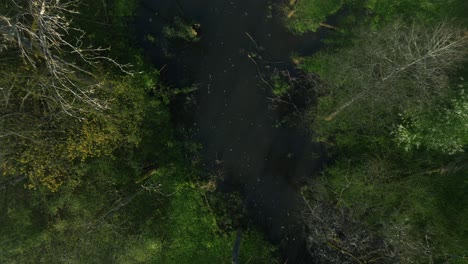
(233, 118)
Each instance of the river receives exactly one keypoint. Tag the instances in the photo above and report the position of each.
(233, 117)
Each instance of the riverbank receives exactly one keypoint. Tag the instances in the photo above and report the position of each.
(395, 121)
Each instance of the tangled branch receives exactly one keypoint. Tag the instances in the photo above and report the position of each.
(41, 32)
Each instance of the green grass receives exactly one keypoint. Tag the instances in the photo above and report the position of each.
(306, 15)
(193, 236)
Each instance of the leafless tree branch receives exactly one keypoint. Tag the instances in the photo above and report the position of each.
(400, 66)
(41, 32)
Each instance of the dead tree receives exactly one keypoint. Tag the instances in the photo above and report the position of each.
(333, 236)
(50, 80)
(41, 32)
(401, 66)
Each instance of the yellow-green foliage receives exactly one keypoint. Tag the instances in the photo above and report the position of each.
(99, 134)
(48, 154)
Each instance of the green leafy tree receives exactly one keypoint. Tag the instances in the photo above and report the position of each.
(441, 129)
(44, 147)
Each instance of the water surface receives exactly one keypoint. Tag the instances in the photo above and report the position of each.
(234, 118)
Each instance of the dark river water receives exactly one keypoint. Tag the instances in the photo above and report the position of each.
(233, 117)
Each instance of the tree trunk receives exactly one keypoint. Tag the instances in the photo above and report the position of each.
(325, 25)
(331, 116)
(236, 249)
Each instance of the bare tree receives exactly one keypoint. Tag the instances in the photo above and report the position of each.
(333, 236)
(401, 66)
(41, 32)
(50, 82)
